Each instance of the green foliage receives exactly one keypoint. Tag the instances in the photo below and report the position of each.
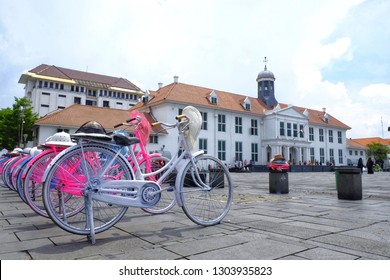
(378, 151)
(11, 120)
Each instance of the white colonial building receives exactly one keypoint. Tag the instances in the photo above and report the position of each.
(49, 88)
(242, 128)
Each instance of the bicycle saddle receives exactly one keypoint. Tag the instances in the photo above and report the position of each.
(124, 140)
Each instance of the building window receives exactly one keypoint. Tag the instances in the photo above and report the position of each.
(321, 134)
(350, 152)
(311, 134)
(330, 136)
(339, 137)
(61, 86)
(301, 131)
(222, 149)
(214, 100)
(281, 129)
(247, 106)
(340, 156)
(90, 102)
(62, 95)
(153, 139)
(322, 155)
(39, 84)
(238, 125)
(77, 100)
(204, 120)
(312, 155)
(238, 154)
(331, 156)
(295, 130)
(289, 129)
(203, 145)
(106, 103)
(46, 93)
(221, 123)
(63, 130)
(254, 129)
(254, 152)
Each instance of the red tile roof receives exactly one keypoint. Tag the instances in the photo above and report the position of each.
(371, 140)
(184, 93)
(75, 115)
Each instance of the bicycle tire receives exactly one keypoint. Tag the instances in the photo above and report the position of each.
(68, 178)
(168, 199)
(32, 183)
(209, 206)
(7, 172)
(17, 180)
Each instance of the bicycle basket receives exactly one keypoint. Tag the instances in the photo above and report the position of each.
(143, 129)
(195, 123)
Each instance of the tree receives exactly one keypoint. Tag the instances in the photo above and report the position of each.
(15, 123)
(378, 151)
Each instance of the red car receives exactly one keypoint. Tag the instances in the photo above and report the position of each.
(278, 163)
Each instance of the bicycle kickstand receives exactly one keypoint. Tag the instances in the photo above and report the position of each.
(89, 213)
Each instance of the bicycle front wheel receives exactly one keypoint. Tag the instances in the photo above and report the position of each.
(69, 178)
(206, 190)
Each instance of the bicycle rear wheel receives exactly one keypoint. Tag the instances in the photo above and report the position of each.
(167, 200)
(206, 198)
(70, 175)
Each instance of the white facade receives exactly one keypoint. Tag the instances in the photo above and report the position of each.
(48, 96)
(258, 138)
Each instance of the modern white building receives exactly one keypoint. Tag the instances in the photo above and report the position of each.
(50, 87)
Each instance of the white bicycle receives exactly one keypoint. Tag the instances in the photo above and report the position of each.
(88, 187)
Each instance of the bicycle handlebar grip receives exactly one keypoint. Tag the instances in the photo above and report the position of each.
(117, 125)
(180, 117)
(130, 120)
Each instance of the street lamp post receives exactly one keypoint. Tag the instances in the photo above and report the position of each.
(21, 126)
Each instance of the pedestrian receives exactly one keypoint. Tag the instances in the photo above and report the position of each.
(370, 166)
(360, 165)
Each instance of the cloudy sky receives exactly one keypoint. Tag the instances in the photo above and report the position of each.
(325, 54)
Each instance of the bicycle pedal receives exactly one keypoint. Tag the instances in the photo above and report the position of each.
(171, 188)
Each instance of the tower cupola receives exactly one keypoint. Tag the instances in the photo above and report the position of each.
(266, 86)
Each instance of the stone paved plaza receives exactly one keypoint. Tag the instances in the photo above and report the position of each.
(309, 222)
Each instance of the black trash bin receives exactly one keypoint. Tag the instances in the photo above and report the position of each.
(349, 183)
(278, 182)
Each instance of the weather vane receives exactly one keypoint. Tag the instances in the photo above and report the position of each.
(265, 63)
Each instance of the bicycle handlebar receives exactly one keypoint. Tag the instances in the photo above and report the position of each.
(138, 118)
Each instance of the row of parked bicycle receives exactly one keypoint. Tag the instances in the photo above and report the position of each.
(86, 181)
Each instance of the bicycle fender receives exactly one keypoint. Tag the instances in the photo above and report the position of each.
(180, 175)
(55, 159)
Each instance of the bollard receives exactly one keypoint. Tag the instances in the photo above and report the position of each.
(349, 183)
(278, 182)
